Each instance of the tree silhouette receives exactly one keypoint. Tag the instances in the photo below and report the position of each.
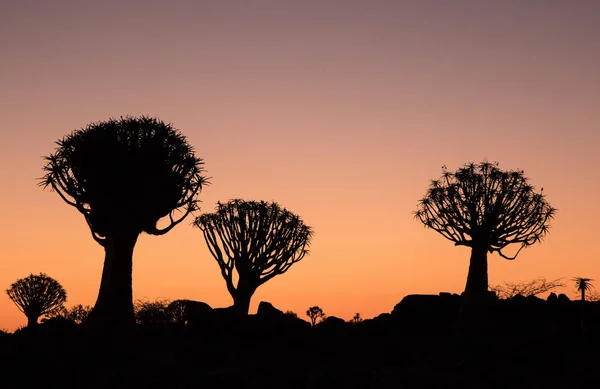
(315, 313)
(78, 313)
(258, 239)
(356, 319)
(124, 176)
(486, 209)
(583, 285)
(153, 312)
(530, 288)
(37, 295)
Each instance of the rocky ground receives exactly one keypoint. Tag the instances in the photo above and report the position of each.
(275, 351)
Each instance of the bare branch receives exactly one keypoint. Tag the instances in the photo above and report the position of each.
(527, 288)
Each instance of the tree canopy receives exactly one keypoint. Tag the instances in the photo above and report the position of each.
(126, 174)
(481, 205)
(37, 295)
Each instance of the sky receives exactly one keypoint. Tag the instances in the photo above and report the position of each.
(341, 111)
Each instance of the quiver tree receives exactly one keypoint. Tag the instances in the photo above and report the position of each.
(315, 313)
(124, 176)
(258, 240)
(486, 209)
(37, 295)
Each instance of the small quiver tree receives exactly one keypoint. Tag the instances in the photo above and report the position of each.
(485, 209)
(37, 295)
(256, 240)
(315, 313)
(124, 176)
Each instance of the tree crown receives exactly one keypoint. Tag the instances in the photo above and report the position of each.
(256, 237)
(125, 175)
(481, 205)
(37, 295)
(583, 284)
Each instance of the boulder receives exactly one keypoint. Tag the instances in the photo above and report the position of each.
(563, 298)
(552, 298)
(332, 325)
(427, 313)
(275, 320)
(198, 314)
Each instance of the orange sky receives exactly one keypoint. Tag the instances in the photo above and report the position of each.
(339, 110)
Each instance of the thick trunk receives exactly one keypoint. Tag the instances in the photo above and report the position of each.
(32, 321)
(242, 295)
(473, 308)
(114, 306)
(477, 280)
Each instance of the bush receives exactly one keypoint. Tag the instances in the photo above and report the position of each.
(153, 312)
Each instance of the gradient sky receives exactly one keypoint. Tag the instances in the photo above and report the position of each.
(339, 110)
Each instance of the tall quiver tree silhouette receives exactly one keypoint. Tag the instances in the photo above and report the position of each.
(486, 209)
(259, 240)
(124, 175)
(37, 295)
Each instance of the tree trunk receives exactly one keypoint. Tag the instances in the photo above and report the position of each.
(242, 296)
(32, 321)
(114, 306)
(477, 280)
(472, 314)
(582, 323)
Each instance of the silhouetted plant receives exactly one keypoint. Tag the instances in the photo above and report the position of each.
(592, 295)
(59, 312)
(292, 314)
(583, 285)
(153, 312)
(315, 313)
(356, 319)
(486, 209)
(124, 176)
(78, 313)
(526, 289)
(258, 239)
(37, 295)
(177, 311)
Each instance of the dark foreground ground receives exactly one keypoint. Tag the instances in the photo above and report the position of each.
(178, 359)
(524, 343)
